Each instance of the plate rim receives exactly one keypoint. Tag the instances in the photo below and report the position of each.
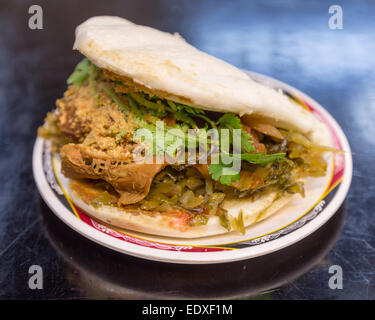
(155, 254)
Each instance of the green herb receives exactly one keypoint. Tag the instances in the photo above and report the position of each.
(116, 99)
(172, 140)
(216, 171)
(134, 106)
(157, 109)
(93, 71)
(186, 114)
(80, 73)
(83, 70)
(231, 121)
(212, 123)
(180, 115)
(223, 219)
(172, 105)
(238, 223)
(160, 108)
(260, 158)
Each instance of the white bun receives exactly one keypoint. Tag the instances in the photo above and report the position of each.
(253, 212)
(166, 62)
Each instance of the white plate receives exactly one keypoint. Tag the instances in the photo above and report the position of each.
(290, 224)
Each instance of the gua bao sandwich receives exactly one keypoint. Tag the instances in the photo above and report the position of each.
(135, 78)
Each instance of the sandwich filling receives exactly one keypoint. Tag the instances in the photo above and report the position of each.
(95, 126)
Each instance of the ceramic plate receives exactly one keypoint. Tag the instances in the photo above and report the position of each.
(296, 220)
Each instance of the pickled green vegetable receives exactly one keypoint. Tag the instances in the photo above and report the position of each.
(223, 219)
(103, 199)
(174, 189)
(194, 182)
(189, 200)
(198, 220)
(238, 223)
(296, 188)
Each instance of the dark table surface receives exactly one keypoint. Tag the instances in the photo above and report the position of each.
(288, 40)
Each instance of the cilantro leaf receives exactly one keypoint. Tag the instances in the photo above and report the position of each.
(180, 115)
(155, 108)
(191, 110)
(116, 99)
(80, 73)
(217, 173)
(207, 119)
(247, 143)
(134, 106)
(171, 142)
(93, 71)
(229, 121)
(217, 169)
(185, 113)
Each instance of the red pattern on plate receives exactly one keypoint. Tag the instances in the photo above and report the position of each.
(139, 241)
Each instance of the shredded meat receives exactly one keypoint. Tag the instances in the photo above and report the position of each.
(73, 112)
(248, 180)
(131, 180)
(262, 127)
(102, 149)
(79, 115)
(259, 147)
